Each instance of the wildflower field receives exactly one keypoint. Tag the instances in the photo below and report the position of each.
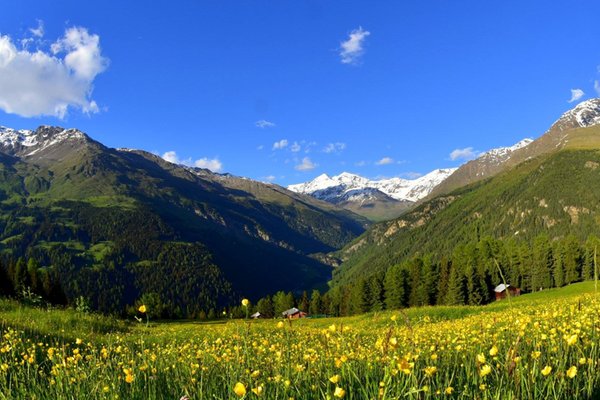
(538, 346)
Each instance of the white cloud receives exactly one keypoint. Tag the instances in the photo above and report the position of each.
(597, 87)
(385, 161)
(214, 164)
(171, 157)
(308, 146)
(576, 94)
(360, 163)
(260, 147)
(306, 165)
(42, 83)
(295, 147)
(282, 144)
(39, 31)
(468, 153)
(352, 49)
(263, 123)
(334, 147)
(269, 178)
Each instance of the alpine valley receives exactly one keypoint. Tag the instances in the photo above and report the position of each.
(80, 220)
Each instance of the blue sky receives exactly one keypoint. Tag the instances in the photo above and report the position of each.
(380, 89)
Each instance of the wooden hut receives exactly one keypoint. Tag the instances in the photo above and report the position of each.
(502, 291)
(293, 313)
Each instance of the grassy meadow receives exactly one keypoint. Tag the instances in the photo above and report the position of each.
(537, 346)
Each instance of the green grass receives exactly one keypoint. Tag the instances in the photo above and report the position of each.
(63, 354)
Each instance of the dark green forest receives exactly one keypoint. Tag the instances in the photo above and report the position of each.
(466, 276)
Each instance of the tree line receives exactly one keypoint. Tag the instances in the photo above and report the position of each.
(465, 277)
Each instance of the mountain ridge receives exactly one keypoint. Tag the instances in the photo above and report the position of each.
(548, 186)
(128, 218)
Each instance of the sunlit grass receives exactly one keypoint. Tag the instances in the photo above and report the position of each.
(543, 346)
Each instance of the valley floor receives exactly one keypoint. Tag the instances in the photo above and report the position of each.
(538, 346)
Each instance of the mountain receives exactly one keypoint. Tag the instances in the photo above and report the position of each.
(113, 225)
(585, 114)
(376, 199)
(550, 186)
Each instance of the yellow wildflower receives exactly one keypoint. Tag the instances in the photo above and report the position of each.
(493, 351)
(257, 390)
(142, 309)
(572, 372)
(485, 370)
(239, 389)
(339, 392)
(546, 371)
(334, 379)
(245, 302)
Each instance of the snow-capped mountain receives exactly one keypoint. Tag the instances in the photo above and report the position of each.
(500, 154)
(27, 143)
(584, 114)
(349, 187)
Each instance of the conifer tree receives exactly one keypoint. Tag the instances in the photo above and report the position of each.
(456, 287)
(541, 276)
(395, 287)
(315, 303)
(375, 290)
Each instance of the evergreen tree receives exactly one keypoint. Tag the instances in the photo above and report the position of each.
(315, 303)
(559, 271)
(359, 297)
(395, 286)
(571, 259)
(541, 276)
(20, 280)
(265, 307)
(456, 287)
(304, 302)
(444, 278)
(376, 292)
(32, 275)
(282, 302)
(335, 301)
(419, 295)
(591, 245)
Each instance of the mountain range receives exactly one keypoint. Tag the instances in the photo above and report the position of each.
(115, 226)
(549, 186)
(112, 224)
(389, 198)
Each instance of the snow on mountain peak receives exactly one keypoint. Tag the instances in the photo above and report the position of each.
(584, 114)
(351, 187)
(26, 142)
(502, 153)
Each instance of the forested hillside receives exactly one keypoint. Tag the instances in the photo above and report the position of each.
(549, 202)
(111, 226)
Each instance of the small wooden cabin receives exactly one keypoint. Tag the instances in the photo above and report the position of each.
(256, 315)
(293, 313)
(501, 291)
